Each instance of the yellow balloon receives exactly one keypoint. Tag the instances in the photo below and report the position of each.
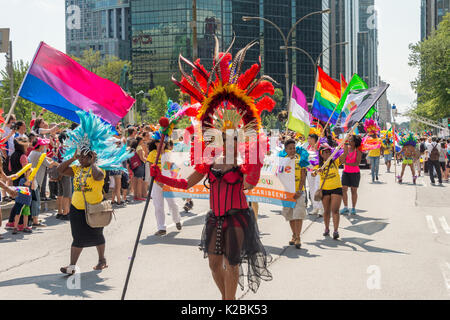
(22, 171)
(35, 170)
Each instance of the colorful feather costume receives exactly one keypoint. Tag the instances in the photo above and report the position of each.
(228, 99)
(408, 140)
(93, 134)
(371, 126)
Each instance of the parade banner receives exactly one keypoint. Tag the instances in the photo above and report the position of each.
(276, 184)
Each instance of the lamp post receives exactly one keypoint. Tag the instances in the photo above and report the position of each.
(286, 40)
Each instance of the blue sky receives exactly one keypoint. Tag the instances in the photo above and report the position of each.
(398, 22)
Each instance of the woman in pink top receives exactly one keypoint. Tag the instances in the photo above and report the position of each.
(351, 175)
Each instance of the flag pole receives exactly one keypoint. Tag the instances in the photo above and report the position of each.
(147, 202)
(340, 145)
(13, 105)
(289, 107)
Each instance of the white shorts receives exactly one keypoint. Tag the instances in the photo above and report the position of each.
(297, 213)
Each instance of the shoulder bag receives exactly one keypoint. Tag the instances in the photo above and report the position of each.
(318, 195)
(98, 215)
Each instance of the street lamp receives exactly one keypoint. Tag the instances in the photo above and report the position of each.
(315, 63)
(286, 40)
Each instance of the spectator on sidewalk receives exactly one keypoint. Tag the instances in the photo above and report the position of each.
(433, 151)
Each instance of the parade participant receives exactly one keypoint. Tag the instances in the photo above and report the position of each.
(157, 192)
(39, 148)
(22, 203)
(88, 152)
(296, 215)
(442, 159)
(351, 175)
(314, 181)
(228, 105)
(408, 144)
(331, 186)
(433, 150)
(388, 147)
(372, 129)
(138, 167)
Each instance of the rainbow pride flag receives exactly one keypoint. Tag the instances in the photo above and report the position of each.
(59, 84)
(327, 96)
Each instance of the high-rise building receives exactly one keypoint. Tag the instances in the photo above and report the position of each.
(432, 12)
(384, 109)
(368, 43)
(101, 25)
(344, 27)
(167, 26)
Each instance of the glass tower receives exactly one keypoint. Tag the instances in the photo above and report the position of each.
(101, 25)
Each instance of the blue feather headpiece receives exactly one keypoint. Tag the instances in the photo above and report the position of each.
(93, 134)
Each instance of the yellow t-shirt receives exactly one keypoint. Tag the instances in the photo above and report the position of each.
(333, 180)
(298, 173)
(152, 157)
(375, 152)
(387, 148)
(93, 189)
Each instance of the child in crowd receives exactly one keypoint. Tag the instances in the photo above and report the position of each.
(23, 202)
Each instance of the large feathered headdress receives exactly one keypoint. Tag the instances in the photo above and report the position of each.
(371, 126)
(228, 97)
(93, 134)
(408, 140)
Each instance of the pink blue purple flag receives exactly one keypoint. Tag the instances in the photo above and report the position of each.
(61, 85)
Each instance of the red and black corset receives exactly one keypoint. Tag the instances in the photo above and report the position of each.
(226, 190)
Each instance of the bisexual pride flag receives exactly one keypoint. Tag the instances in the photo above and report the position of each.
(61, 85)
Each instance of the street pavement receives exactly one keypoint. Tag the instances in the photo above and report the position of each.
(396, 247)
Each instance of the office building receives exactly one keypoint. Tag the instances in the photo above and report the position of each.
(368, 43)
(101, 25)
(432, 13)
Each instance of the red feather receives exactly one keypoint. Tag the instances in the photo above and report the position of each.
(246, 78)
(261, 88)
(266, 103)
(201, 75)
(191, 89)
(225, 67)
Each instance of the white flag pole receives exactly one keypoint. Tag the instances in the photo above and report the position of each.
(20, 88)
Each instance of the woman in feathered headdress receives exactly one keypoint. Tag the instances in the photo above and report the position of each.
(89, 150)
(229, 114)
(409, 152)
(372, 129)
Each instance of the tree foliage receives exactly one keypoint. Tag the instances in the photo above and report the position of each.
(156, 104)
(432, 57)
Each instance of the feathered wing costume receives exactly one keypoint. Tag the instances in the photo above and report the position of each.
(228, 102)
(93, 134)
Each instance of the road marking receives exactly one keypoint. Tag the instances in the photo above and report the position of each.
(444, 225)
(431, 224)
(445, 269)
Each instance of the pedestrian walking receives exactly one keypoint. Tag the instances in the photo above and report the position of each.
(433, 151)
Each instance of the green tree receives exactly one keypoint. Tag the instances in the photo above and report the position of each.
(156, 104)
(432, 57)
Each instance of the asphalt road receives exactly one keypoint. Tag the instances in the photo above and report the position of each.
(396, 247)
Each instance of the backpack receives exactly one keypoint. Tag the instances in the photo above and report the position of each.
(422, 147)
(434, 155)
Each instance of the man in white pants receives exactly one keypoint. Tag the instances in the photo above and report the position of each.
(314, 182)
(158, 203)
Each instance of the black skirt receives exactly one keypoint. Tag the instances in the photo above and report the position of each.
(83, 235)
(235, 236)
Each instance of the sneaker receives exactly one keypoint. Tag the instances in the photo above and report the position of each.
(377, 178)
(64, 217)
(344, 211)
(326, 233)
(20, 227)
(15, 231)
(160, 233)
(9, 226)
(40, 225)
(178, 224)
(58, 216)
(335, 235)
(353, 211)
(28, 230)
